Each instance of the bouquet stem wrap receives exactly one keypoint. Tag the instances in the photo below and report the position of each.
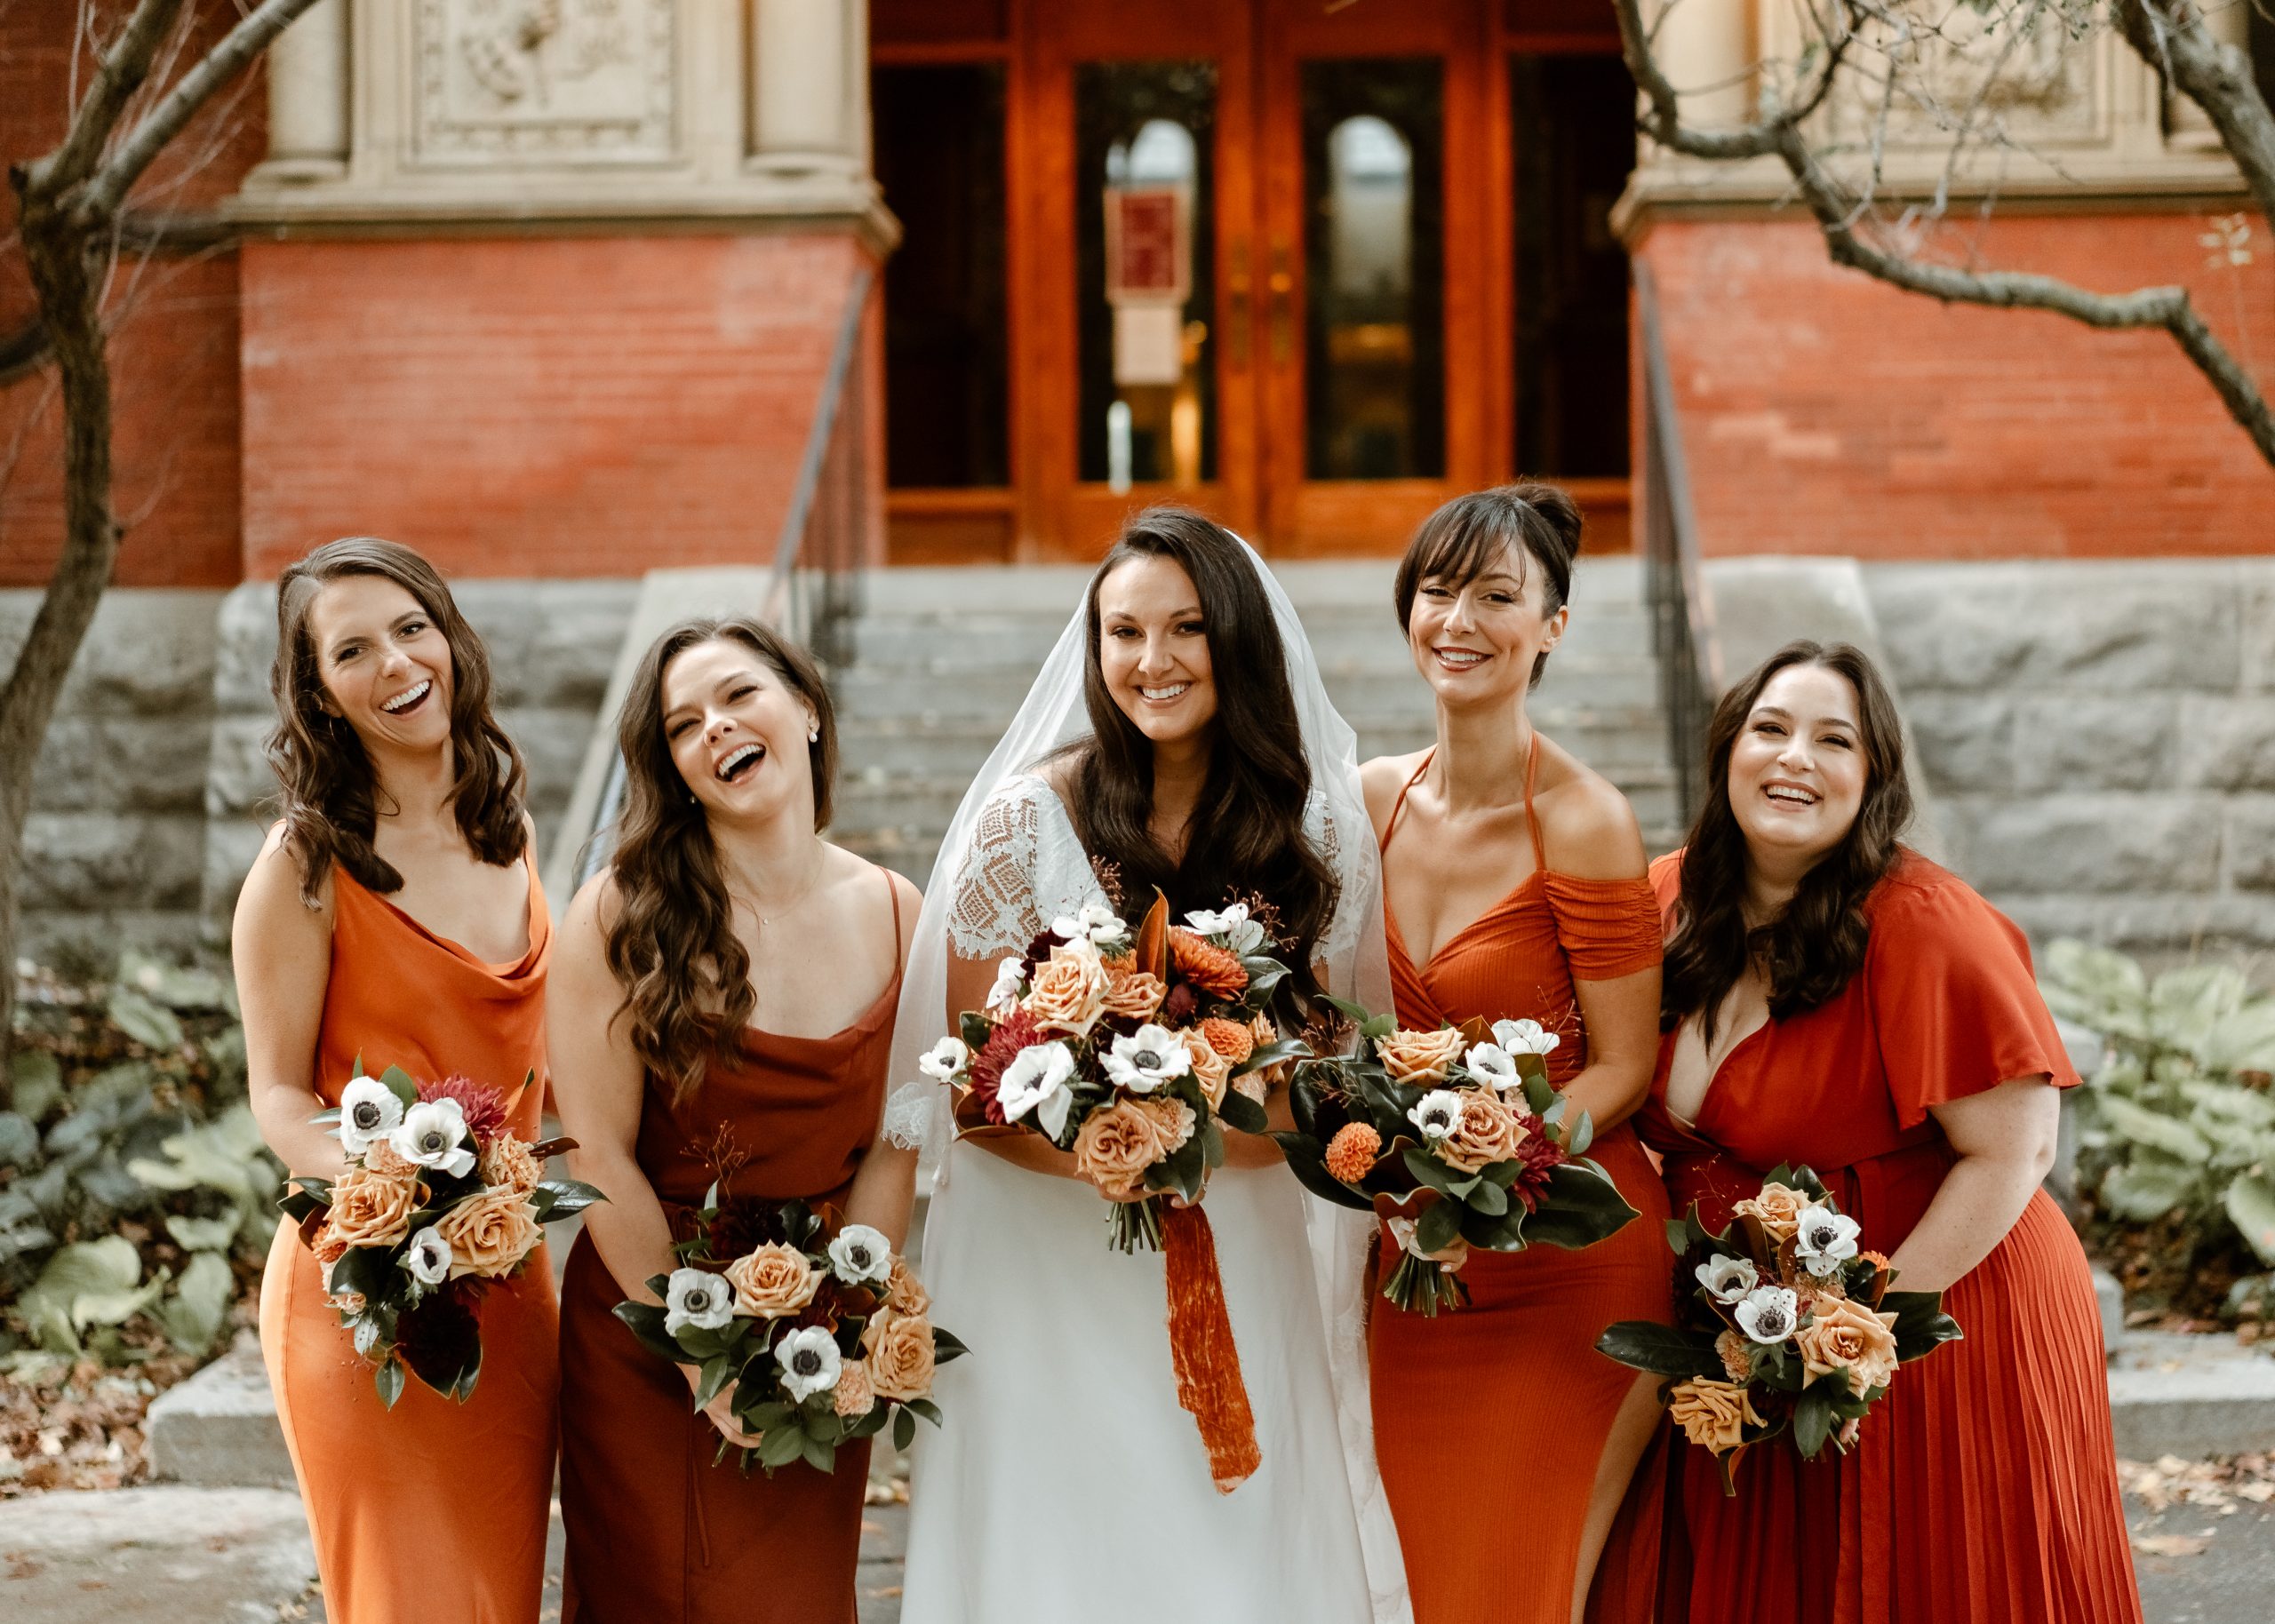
(1209, 1383)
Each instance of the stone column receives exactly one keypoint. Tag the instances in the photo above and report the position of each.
(308, 96)
(1706, 50)
(809, 81)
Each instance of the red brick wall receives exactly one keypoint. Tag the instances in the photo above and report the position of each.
(174, 338)
(1825, 412)
(561, 406)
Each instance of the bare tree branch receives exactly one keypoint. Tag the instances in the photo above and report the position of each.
(2219, 80)
(23, 351)
(126, 69)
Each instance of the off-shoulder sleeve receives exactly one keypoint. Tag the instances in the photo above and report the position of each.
(1953, 999)
(1607, 927)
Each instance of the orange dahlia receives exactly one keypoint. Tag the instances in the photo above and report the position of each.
(1214, 970)
(1231, 1039)
(1351, 1153)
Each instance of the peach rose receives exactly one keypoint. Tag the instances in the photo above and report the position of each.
(854, 1395)
(1068, 994)
(369, 1208)
(1488, 1132)
(1116, 1144)
(1130, 993)
(1173, 1121)
(898, 1355)
(505, 1161)
(1779, 1210)
(1420, 1059)
(1712, 1415)
(1736, 1355)
(1846, 1337)
(489, 1234)
(904, 1293)
(1211, 1069)
(772, 1282)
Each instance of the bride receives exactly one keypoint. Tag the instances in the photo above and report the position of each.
(1066, 1482)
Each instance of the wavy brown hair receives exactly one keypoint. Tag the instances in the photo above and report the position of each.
(1247, 835)
(1817, 943)
(330, 796)
(671, 943)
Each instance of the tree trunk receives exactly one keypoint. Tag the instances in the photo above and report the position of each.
(63, 254)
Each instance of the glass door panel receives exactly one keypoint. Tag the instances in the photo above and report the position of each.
(1373, 269)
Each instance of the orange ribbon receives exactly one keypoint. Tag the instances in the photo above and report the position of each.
(1208, 1362)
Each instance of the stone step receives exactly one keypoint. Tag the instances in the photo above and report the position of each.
(945, 643)
(2190, 1396)
(219, 1427)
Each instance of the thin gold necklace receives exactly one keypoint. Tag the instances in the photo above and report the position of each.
(812, 880)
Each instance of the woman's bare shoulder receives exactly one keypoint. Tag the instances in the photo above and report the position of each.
(1585, 821)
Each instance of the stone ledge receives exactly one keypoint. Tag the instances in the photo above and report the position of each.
(220, 1428)
(188, 1555)
(2172, 1394)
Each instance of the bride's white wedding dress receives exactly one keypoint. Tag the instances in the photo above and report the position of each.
(1066, 1485)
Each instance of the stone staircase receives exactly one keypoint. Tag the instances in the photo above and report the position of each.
(941, 658)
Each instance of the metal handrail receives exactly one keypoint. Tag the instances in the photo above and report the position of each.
(1690, 674)
(814, 590)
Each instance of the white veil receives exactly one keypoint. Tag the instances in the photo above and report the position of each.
(1354, 951)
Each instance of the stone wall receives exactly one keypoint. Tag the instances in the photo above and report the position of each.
(2101, 740)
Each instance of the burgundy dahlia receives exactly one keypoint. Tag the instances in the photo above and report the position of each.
(1018, 1031)
(1536, 1158)
(484, 1106)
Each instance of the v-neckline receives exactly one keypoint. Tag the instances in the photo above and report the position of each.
(1532, 830)
(1713, 1077)
(1421, 967)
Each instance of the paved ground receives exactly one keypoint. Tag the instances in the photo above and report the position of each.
(180, 1556)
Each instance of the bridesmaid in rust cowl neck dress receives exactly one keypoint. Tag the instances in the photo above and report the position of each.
(723, 996)
(1514, 889)
(1837, 1000)
(393, 916)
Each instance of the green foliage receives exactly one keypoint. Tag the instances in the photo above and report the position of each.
(135, 1192)
(2177, 1130)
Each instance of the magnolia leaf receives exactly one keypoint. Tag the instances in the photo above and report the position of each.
(567, 1196)
(1663, 1350)
(1305, 1161)
(1920, 1326)
(904, 1430)
(1239, 1111)
(192, 1315)
(2143, 1126)
(150, 1025)
(2251, 1205)
(1580, 1135)
(1812, 1422)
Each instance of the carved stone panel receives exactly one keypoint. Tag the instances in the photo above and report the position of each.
(2035, 86)
(579, 81)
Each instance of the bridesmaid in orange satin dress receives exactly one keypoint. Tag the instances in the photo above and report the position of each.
(723, 998)
(394, 915)
(1514, 889)
(1836, 999)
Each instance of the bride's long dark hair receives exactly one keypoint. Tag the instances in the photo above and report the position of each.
(1247, 835)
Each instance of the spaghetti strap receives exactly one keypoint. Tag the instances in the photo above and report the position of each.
(1532, 823)
(893, 891)
(1389, 825)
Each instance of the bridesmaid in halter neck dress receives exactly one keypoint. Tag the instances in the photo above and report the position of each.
(394, 917)
(1506, 1441)
(725, 995)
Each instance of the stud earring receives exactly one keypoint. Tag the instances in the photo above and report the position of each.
(813, 734)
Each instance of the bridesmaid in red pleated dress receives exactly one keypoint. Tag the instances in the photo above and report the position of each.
(394, 917)
(722, 1002)
(1514, 889)
(1836, 1000)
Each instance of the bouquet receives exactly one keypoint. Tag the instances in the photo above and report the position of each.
(1457, 1138)
(1791, 1325)
(439, 1199)
(1131, 1050)
(823, 1331)
(1127, 1050)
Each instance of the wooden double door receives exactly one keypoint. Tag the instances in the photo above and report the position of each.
(1258, 261)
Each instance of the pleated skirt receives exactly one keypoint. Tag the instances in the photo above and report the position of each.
(1982, 1490)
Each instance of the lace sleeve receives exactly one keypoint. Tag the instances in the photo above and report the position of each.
(1339, 943)
(994, 907)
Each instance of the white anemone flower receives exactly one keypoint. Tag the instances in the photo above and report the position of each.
(432, 1134)
(427, 1258)
(1096, 922)
(1768, 1314)
(1727, 1280)
(693, 1297)
(1037, 1080)
(811, 1362)
(1241, 933)
(1437, 1114)
(1010, 981)
(1493, 1065)
(369, 1112)
(1147, 1058)
(1525, 1037)
(860, 1255)
(943, 1059)
(1824, 1239)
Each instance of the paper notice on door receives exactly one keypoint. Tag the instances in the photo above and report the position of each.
(1148, 342)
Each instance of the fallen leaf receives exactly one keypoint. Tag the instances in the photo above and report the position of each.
(2171, 1544)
